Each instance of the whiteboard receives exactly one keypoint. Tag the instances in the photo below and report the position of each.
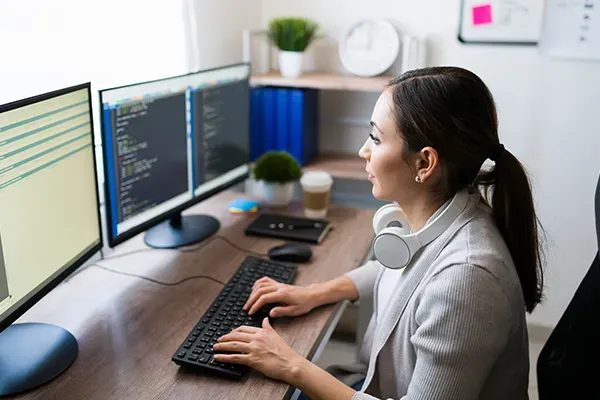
(572, 30)
(501, 21)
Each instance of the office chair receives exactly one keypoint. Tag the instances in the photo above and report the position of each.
(569, 364)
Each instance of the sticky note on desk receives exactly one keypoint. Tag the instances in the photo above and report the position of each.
(241, 205)
(482, 14)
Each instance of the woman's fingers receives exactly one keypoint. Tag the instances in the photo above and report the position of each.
(233, 347)
(234, 336)
(274, 297)
(233, 358)
(246, 329)
(257, 294)
(264, 279)
(289, 311)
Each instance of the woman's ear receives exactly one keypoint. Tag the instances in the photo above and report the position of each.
(427, 161)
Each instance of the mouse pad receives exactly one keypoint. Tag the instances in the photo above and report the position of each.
(289, 228)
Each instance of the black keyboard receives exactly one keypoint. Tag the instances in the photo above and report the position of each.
(225, 314)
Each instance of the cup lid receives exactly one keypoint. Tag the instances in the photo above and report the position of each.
(316, 180)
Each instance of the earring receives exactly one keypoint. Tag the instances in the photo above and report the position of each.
(417, 179)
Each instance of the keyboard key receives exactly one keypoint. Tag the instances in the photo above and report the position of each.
(181, 354)
(193, 357)
(203, 359)
(187, 345)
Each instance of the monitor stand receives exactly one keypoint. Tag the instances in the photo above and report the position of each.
(181, 231)
(32, 354)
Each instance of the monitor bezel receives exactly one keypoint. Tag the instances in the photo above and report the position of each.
(114, 240)
(44, 290)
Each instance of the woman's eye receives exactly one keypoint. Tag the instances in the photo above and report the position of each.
(373, 138)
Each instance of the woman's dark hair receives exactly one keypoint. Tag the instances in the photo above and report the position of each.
(452, 110)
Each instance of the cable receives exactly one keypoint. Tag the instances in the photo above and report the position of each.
(191, 249)
(189, 278)
(184, 250)
(241, 248)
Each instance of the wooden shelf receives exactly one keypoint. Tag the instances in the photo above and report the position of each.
(323, 80)
(347, 166)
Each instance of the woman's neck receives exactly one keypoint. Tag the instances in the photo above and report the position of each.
(419, 209)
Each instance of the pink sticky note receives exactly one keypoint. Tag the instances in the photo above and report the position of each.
(482, 14)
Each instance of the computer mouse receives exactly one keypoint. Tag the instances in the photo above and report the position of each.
(291, 252)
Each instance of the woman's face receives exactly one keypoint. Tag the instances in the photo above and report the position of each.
(384, 153)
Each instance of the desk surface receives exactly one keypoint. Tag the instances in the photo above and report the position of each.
(128, 328)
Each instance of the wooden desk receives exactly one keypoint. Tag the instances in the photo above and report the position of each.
(128, 328)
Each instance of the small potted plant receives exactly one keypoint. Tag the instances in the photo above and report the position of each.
(278, 170)
(291, 36)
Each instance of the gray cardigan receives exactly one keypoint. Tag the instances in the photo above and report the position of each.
(455, 328)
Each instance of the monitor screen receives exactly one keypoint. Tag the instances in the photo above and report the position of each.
(49, 211)
(171, 143)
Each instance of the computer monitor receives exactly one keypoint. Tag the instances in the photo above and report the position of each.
(168, 144)
(49, 225)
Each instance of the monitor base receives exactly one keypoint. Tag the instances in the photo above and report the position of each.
(32, 354)
(181, 231)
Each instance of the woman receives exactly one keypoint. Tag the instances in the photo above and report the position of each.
(451, 325)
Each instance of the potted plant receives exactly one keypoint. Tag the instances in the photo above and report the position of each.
(278, 170)
(291, 36)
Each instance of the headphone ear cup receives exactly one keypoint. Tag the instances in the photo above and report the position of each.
(391, 248)
(390, 215)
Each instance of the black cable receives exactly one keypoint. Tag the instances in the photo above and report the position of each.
(189, 278)
(184, 250)
(191, 249)
(241, 248)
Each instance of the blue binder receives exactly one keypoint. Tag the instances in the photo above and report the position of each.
(282, 119)
(256, 130)
(303, 119)
(269, 119)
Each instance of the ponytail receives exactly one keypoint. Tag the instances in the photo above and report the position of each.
(514, 213)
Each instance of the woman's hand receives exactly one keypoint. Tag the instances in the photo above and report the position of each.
(297, 300)
(261, 349)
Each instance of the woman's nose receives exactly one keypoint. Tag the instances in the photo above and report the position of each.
(364, 152)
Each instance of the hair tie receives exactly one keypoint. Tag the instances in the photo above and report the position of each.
(497, 152)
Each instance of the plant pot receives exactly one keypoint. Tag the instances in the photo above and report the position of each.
(277, 194)
(290, 63)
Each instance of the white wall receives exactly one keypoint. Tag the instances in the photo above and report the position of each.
(548, 118)
(218, 30)
(48, 45)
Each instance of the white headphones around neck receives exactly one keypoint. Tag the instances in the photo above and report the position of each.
(395, 245)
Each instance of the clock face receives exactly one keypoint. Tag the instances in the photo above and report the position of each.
(370, 47)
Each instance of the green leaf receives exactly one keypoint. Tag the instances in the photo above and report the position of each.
(277, 167)
(291, 33)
